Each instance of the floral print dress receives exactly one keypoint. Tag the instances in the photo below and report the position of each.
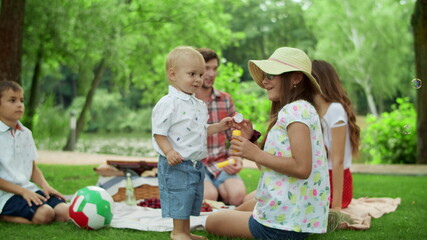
(289, 203)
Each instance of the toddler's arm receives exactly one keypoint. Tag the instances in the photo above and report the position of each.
(172, 156)
(224, 124)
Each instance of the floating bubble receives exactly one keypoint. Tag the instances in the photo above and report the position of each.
(406, 129)
(416, 83)
(238, 118)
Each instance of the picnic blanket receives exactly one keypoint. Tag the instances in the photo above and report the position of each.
(362, 210)
(141, 218)
(149, 219)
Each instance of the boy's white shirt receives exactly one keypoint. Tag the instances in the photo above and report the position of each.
(183, 119)
(17, 153)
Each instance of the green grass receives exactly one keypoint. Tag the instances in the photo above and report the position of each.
(408, 222)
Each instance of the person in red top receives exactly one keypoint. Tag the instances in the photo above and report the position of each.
(220, 183)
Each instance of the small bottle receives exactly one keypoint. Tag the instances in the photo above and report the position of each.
(236, 133)
(226, 163)
(230, 160)
(130, 194)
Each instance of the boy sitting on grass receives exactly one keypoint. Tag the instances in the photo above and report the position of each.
(21, 201)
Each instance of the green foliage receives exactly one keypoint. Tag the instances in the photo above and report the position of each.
(110, 114)
(249, 99)
(369, 42)
(50, 126)
(153, 28)
(391, 138)
(266, 26)
(133, 37)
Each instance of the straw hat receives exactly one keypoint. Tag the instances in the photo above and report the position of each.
(283, 60)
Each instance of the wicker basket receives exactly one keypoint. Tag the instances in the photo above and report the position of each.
(142, 192)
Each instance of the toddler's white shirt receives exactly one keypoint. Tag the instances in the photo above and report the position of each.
(183, 119)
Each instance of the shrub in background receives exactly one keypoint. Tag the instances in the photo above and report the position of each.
(391, 138)
(108, 113)
(249, 99)
(49, 125)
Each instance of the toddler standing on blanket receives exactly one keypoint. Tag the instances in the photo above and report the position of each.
(179, 129)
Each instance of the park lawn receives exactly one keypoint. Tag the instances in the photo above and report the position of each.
(408, 222)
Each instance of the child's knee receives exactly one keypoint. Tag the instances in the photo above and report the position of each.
(235, 198)
(61, 212)
(44, 215)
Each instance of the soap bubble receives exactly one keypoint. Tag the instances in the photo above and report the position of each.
(416, 83)
(238, 118)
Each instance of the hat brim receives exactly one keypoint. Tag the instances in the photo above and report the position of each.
(257, 68)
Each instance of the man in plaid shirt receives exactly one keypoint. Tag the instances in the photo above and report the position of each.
(220, 183)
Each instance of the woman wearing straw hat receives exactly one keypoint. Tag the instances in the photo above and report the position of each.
(292, 198)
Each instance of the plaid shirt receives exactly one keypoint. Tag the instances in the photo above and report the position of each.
(220, 106)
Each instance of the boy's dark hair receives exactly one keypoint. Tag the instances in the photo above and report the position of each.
(208, 54)
(6, 85)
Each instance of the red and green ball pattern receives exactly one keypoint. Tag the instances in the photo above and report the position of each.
(91, 208)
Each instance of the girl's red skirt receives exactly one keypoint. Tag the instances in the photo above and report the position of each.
(347, 193)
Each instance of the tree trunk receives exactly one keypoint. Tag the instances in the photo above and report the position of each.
(370, 100)
(367, 90)
(32, 103)
(11, 31)
(419, 24)
(89, 98)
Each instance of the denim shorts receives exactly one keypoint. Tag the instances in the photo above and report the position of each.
(260, 231)
(181, 188)
(220, 178)
(17, 206)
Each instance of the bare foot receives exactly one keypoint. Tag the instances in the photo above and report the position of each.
(180, 236)
(197, 237)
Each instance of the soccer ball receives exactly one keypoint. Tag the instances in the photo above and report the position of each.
(91, 208)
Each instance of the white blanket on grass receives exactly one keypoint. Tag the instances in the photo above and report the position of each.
(141, 218)
(149, 219)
